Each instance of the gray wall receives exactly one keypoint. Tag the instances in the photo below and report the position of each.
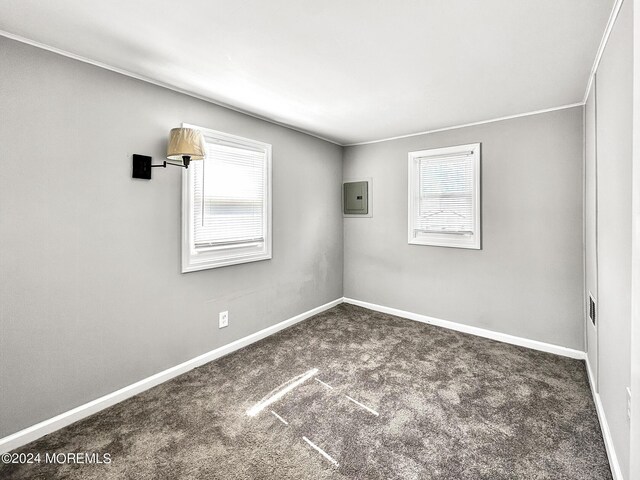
(590, 229)
(527, 279)
(92, 298)
(614, 114)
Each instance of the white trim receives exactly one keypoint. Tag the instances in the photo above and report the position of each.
(585, 334)
(603, 43)
(480, 332)
(464, 125)
(64, 53)
(45, 427)
(634, 443)
(616, 471)
(595, 212)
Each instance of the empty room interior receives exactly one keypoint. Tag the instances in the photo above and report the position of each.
(331, 239)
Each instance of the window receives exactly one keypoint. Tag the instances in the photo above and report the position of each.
(226, 203)
(444, 197)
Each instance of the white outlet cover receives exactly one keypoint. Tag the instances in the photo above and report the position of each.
(223, 319)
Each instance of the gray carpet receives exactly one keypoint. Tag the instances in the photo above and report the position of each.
(448, 405)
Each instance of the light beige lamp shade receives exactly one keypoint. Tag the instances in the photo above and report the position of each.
(185, 142)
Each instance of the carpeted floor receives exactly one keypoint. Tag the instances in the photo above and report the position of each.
(391, 398)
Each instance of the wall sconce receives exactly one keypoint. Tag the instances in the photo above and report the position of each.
(185, 145)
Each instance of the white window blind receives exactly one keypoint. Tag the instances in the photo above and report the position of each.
(229, 200)
(444, 197)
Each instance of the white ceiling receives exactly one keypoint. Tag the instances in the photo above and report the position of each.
(346, 70)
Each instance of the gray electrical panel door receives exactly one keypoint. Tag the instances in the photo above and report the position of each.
(355, 199)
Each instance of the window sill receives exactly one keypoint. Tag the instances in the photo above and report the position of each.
(195, 264)
(441, 240)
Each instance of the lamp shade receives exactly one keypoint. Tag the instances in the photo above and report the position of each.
(185, 142)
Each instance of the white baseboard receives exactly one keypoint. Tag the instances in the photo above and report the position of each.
(480, 332)
(523, 342)
(45, 427)
(604, 426)
(38, 430)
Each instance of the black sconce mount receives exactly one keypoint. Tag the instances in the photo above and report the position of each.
(142, 165)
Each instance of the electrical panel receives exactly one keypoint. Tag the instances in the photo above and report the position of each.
(356, 198)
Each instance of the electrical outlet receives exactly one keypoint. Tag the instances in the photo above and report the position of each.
(223, 319)
(628, 403)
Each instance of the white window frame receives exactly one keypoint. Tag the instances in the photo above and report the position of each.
(444, 239)
(222, 256)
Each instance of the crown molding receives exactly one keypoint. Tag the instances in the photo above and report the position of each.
(146, 79)
(603, 43)
(481, 122)
(612, 18)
